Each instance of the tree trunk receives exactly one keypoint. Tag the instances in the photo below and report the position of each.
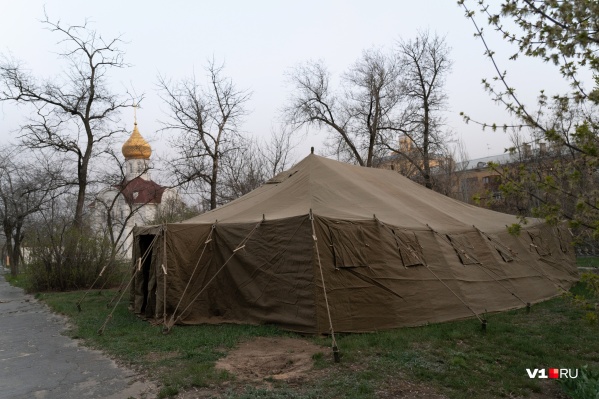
(213, 181)
(8, 233)
(81, 187)
(82, 172)
(16, 252)
(425, 147)
(371, 141)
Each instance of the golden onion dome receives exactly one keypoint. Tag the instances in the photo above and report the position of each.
(136, 147)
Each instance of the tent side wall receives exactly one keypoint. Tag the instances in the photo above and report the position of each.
(269, 280)
(380, 277)
(377, 276)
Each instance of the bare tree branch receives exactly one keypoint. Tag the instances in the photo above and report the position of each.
(73, 114)
(207, 120)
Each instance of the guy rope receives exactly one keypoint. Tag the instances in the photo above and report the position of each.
(241, 246)
(140, 262)
(169, 325)
(334, 346)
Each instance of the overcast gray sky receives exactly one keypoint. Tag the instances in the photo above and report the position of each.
(259, 42)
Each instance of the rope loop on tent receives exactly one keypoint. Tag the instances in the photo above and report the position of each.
(483, 321)
(141, 260)
(487, 270)
(447, 239)
(336, 355)
(172, 321)
(241, 245)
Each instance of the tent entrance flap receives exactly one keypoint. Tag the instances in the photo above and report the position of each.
(145, 279)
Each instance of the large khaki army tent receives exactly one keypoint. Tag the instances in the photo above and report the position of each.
(330, 245)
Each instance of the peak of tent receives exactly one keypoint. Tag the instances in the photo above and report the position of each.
(334, 189)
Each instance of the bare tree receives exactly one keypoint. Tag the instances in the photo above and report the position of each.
(383, 97)
(448, 171)
(424, 62)
(276, 152)
(354, 117)
(73, 114)
(174, 210)
(208, 120)
(243, 170)
(25, 188)
(253, 162)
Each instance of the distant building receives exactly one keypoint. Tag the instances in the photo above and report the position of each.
(409, 159)
(135, 201)
(476, 179)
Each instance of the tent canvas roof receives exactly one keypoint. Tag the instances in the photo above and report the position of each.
(342, 191)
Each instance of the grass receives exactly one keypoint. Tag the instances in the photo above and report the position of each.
(589, 261)
(455, 359)
(20, 280)
(181, 359)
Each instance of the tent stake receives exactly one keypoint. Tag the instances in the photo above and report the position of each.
(484, 325)
(528, 307)
(336, 354)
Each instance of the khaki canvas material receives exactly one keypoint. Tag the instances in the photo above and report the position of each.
(392, 253)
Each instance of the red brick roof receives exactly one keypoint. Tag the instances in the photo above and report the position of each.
(140, 191)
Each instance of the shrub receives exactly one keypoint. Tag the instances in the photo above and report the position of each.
(63, 259)
(586, 386)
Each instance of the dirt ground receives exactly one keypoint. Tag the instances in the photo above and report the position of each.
(270, 358)
(262, 360)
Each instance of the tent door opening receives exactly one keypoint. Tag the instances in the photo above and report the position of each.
(145, 242)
